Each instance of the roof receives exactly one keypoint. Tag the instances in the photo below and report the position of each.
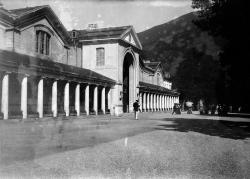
(152, 65)
(23, 17)
(151, 87)
(23, 11)
(6, 16)
(16, 62)
(109, 34)
(101, 33)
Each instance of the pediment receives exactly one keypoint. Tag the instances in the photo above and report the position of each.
(131, 37)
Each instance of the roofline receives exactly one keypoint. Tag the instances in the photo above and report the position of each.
(36, 8)
(99, 39)
(106, 39)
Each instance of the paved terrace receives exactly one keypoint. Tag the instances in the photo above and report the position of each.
(159, 145)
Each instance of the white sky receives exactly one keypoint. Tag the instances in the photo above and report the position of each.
(142, 14)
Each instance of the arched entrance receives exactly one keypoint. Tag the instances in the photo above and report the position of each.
(128, 82)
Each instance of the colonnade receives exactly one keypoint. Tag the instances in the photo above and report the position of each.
(26, 96)
(150, 101)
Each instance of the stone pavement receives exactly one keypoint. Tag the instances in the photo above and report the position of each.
(158, 145)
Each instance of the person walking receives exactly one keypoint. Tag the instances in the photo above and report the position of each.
(174, 109)
(136, 108)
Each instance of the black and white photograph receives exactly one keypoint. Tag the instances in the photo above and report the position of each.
(110, 89)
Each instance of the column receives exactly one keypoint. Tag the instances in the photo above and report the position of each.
(96, 100)
(151, 102)
(54, 98)
(163, 102)
(77, 99)
(5, 96)
(144, 102)
(40, 98)
(103, 100)
(160, 103)
(155, 102)
(140, 96)
(171, 102)
(166, 108)
(109, 100)
(66, 99)
(148, 107)
(24, 96)
(168, 102)
(87, 100)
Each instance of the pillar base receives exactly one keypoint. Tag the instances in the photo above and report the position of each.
(72, 111)
(83, 111)
(48, 114)
(107, 111)
(100, 111)
(33, 115)
(92, 112)
(15, 114)
(61, 114)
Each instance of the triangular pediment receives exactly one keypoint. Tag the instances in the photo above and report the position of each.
(131, 37)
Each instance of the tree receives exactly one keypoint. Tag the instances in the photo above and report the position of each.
(227, 21)
(196, 77)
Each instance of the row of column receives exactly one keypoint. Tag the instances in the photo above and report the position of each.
(156, 102)
(46, 96)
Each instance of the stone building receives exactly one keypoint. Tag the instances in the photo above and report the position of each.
(47, 71)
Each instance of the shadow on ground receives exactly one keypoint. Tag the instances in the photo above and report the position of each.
(30, 140)
(220, 128)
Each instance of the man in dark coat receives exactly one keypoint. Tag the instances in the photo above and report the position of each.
(136, 108)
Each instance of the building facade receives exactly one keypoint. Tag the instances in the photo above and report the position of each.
(47, 71)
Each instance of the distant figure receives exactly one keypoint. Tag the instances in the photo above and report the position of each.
(176, 109)
(136, 108)
(189, 104)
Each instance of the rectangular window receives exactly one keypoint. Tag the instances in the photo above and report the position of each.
(42, 42)
(100, 57)
(47, 44)
(37, 41)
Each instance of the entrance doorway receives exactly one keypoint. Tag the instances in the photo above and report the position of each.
(128, 81)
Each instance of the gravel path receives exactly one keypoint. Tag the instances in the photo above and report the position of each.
(158, 145)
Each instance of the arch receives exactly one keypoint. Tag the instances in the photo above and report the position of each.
(129, 80)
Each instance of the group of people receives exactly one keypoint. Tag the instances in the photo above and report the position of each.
(136, 106)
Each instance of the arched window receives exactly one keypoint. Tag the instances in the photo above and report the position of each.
(42, 42)
(100, 56)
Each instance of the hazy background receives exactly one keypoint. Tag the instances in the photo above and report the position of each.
(142, 14)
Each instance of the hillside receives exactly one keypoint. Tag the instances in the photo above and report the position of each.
(170, 42)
